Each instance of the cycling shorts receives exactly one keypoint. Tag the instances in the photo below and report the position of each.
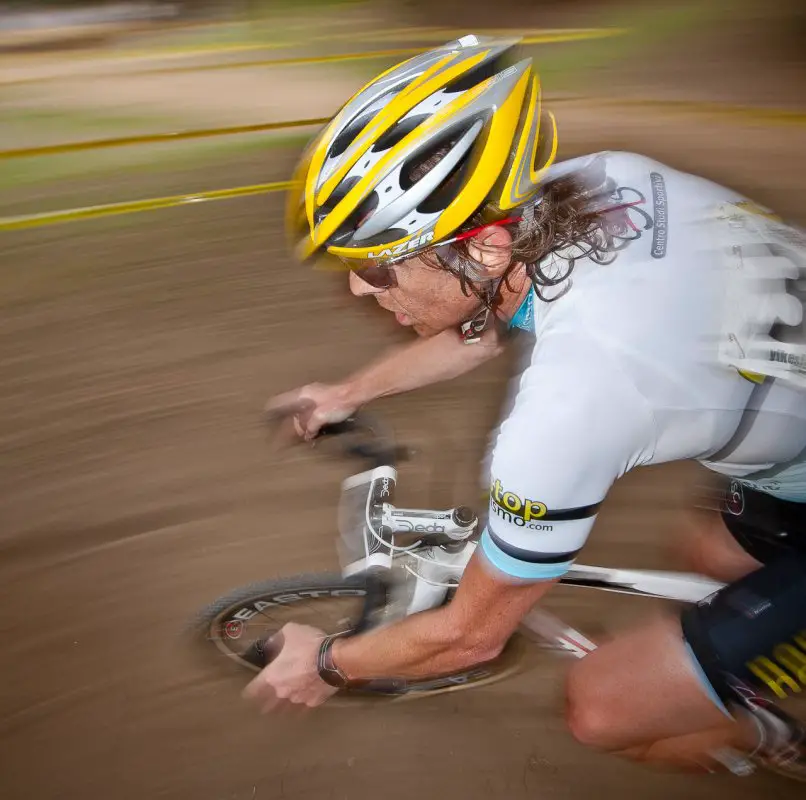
(751, 635)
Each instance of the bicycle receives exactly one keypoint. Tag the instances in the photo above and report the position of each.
(400, 561)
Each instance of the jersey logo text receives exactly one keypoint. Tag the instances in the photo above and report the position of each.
(508, 504)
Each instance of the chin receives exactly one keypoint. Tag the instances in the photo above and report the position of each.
(425, 331)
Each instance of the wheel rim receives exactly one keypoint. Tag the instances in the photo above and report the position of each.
(333, 609)
(234, 630)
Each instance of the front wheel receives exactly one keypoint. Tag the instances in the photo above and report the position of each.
(238, 623)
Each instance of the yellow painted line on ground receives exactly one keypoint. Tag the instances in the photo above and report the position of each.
(417, 34)
(282, 62)
(784, 116)
(191, 51)
(155, 138)
(214, 48)
(744, 113)
(152, 204)
(453, 33)
(553, 38)
(549, 38)
(736, 113)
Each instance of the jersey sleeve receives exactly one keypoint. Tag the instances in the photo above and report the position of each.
(576, 425)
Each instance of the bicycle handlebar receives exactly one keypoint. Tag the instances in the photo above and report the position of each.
(376, 445)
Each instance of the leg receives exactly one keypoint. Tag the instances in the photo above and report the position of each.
(670, 699)
(748, 530)
(709, 548)
(651, 695)
(693, 753)
(640, 696)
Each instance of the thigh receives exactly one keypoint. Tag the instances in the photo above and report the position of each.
(745, 530)
(751, 636)
(655, 682)
(671, 677)
(642, 686)
(709, 548)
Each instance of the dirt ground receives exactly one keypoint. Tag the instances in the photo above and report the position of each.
(138, 485)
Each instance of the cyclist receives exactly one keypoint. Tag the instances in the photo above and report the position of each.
(644, 297)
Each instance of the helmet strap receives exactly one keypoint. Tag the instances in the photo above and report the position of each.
(467, 269)
(472, 330)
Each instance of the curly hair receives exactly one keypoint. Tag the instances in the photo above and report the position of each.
(565, 220)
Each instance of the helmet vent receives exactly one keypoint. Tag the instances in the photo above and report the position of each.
(338, 194)
(350, 131)
(448, 189)
(423, 162)
(348, 135)
(347, 229)
(396, 134)
(478, 74)
(544, 145)
(391, 235)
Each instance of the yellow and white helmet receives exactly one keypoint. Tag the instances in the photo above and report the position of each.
(356, 194)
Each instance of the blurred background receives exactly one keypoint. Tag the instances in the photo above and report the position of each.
(148, 307)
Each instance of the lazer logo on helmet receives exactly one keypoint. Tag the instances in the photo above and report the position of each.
(402, 249)
(513, 508)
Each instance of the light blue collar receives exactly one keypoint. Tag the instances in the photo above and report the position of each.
(525, 315)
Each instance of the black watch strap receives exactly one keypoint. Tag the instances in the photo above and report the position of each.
(327, 668)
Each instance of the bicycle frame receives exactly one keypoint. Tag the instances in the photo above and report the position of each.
(442, 545)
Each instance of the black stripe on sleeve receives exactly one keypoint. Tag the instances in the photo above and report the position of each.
(530, 556)
(580, 512)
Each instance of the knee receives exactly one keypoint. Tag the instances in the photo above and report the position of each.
(586, 713)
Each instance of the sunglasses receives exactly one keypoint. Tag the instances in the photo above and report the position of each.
(379, 276)
(382, 276)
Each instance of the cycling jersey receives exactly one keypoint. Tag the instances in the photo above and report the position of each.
(627, 366)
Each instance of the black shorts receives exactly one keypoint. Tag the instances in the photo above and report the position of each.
(766, 527)
(752, 633)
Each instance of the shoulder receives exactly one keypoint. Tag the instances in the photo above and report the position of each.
(574, 401)
(577, 424)
(626, 166)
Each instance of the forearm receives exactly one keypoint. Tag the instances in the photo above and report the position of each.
(421, 645)
(472, 629)
(421, 363)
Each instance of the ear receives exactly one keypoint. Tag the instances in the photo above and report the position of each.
(492, 248)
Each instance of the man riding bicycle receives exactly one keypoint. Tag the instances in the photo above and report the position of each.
(644, 298)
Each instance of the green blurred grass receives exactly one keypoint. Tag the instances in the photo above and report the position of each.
(273, 23)
(570, 66)
(20, 173)
(22, 123)
(566, 67)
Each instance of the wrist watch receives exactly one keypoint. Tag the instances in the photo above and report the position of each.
(326, 666)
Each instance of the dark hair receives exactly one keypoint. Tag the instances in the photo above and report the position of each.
(566, 216)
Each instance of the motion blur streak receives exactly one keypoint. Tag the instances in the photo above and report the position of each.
(137, 351)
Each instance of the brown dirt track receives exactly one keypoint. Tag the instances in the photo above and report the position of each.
(138, 485)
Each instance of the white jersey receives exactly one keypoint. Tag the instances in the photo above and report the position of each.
(631, 364)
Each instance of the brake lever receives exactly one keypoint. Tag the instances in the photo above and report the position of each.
(380, 449)
(349, 425)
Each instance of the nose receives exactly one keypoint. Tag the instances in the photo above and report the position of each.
(361, 288)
